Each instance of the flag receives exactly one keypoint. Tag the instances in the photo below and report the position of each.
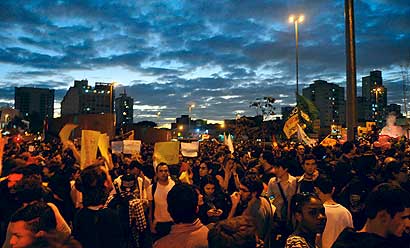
(290, 127)
(189, 149)
(66, 131)
(2, 143)
(130, 135)
(89, 146)
(305, 116)
(303, 137)
(308, 107)
(230, 143)
(328, 141)
(167, 152)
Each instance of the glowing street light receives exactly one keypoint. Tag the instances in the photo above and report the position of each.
(295, 20)
(190, 107)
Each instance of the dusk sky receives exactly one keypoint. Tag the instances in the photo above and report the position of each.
(219, 54)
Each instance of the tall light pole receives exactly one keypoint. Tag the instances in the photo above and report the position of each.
(350, 70)
(190, 107)
(296, 20)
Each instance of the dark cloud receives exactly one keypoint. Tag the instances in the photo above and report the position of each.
(220, 54)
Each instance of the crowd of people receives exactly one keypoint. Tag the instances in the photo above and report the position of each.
(283, 195)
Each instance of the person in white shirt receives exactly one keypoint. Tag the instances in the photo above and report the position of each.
(281, 189)
(338, 217)
(159, 218)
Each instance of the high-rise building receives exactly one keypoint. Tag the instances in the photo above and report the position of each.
(374, 97)
(124, 109)
(329, 100)
(34, 102)
(84, 99)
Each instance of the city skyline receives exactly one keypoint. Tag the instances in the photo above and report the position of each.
(220, 55)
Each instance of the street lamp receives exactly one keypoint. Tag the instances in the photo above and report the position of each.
(297, 19)
(190, 107)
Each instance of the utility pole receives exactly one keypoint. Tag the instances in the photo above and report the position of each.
(350, 70)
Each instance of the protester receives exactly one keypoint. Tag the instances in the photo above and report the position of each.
(237, 232)
(216, 203)
(95, 225)
(159, 218)
(338, 217)
(188, 231)
(309, 214)
(388, 218)
(29, 223)
(248, 201)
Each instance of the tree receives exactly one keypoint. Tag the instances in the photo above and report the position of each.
(146, 124)
(264, 105)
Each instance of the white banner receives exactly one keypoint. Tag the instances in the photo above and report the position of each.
(190, 149)
(131, 146)
(116, 146)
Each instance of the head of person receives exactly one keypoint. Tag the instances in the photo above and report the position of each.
(348, 147)
(29, 223)
(300, 149)
(396, 171)
(391, 120)
(309, 213)
(135, 168)
(267, 159)
(95, 184)
(323, 186)
(280, 167)
(390, 205)
(250, 187)
(162, 172)
(205, 168)
(237, 232)
(208, 185)
(182, 202)
(29, 190)
(309, 164)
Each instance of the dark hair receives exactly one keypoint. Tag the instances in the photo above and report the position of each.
(55, 240)
(29, 189)
(208, 179)
(324, 183)
(389, 197)
(238, 232)
(253, 183)
(309, 156)
(269, 157)
(37, 216)
(284, 163)
(91, 184)
(182, 202)
(135, 164)
(300, 200)
(347, 147)
(391, 167)
(159, 165)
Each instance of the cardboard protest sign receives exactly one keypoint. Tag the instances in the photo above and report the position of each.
(190, 149)
(116, 146)
(131, 146)
(89, 146)
(167, 152)
(103, 144)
